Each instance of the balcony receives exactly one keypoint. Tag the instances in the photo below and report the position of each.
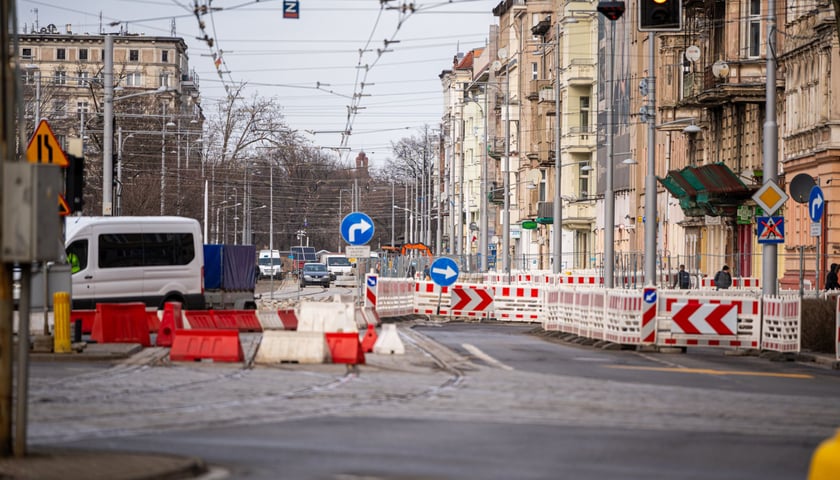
(545, 213)
(541, 91)
(580, 72)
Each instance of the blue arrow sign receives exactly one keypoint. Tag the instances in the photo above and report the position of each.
(357, 228)
(649, 295)
(444, 271)
(371, 281)
(816, 204)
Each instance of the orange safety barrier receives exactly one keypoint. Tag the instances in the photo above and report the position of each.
(153, 320)
(86, 316)
(345, 347)
(289, 318)
(218, 345)
(172, 321)
(242, 320)
(369, 339)
(121, 323)
(200, 318)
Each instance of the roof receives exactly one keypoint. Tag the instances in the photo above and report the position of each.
(707, 189)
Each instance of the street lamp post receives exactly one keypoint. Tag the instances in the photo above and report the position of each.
(506, 181)
(120, 144)
(108, 125)
(557, 213)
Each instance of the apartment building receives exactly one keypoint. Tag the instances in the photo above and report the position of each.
(157, 107)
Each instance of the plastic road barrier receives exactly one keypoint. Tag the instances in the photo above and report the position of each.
(121, 323)
(217, 345)
(284, 346)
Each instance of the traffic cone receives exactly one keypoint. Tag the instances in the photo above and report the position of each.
(370, 338)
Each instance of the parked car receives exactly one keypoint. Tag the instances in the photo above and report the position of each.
(315, 274)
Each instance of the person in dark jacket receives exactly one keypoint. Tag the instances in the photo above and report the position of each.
(723, 279)
(831, 281)
(683, 279)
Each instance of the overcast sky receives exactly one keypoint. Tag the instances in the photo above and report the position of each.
(287, 58)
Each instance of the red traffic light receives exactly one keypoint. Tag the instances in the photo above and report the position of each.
(612, 10)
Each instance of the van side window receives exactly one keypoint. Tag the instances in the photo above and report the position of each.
(147, 249)
(77, 255)
(118, 250)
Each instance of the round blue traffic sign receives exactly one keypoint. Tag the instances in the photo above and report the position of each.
(357, 228)
(816, 203)
(444, 271)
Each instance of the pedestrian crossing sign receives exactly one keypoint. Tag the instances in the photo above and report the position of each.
(771, 229)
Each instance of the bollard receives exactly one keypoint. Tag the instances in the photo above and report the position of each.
(61, 306)
(825, 463)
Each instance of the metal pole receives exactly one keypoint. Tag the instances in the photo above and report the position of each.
(651, 224)
(460, 184)
(271, 227)
(506, 181)
(485, 202)
(769, 262)
(119, 170)
(37, 98)
(609, 196)
(393, 203)
(23, 359)
(557, 238)
(163, 160)
(108, 127)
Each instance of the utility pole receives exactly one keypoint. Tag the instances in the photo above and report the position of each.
(108, 127)
(769, 261)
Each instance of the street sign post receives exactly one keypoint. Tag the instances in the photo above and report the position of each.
(357, 228)
(443, 272)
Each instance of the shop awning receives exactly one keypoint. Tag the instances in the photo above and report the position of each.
(707, 189)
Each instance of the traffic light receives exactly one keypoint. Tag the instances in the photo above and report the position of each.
(660, 15)
(612, 10)
(74, 185)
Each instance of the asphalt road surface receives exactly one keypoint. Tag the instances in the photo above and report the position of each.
(497, 403)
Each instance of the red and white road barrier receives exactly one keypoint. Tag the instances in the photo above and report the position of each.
(623, 317)
(431, 299)
(518, 303)
(471, 301)
(394, 296)
(737, 282)
(780, 328)
(708, 320)
(371, 290)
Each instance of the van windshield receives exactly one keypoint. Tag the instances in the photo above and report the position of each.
(338, 262)
(267, 261)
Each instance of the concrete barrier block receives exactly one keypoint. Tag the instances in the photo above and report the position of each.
(326, 317)
(285, 346)
(389, 341)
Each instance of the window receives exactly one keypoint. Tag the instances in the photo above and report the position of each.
(164, 56)
(60, 77)
(542, 185)
(26, 52)
(83, 54)
(59, 108)
(754, 29)
(29, 77)
(82, 107)
(133, 79)
(79, 249)
(133, 55)
(583, 184)
(84, 78)
(535, 71)
(164, 79)
(145, 249)
(60, 54)
(584, 114)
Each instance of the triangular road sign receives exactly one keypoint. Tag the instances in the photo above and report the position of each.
(63, 206)
(44, 148)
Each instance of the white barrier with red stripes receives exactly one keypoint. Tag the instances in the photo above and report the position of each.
(702, 319)
(837, 331)
(518, 303)
(471, 301)
(395, 297)
(431, 299)
(780, 329)
(623, 317)
(737, 282)
(552, 309)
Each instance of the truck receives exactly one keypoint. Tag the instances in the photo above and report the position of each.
(301, 255)
(230, 277)
(270, 264)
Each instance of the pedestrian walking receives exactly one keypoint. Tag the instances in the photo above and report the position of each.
(683, 280)
(723, 279)
(831, 281)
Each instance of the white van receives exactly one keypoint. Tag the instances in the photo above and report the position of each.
(270, 262)
(135, 259)
(338, 264)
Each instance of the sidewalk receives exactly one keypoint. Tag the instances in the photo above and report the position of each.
(44, 464)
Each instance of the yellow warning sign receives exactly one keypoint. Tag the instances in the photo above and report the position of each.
(770, 197)
(43, 147)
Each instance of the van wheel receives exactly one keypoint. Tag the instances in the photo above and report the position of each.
(171, 298)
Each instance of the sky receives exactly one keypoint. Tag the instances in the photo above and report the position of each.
(313, 66)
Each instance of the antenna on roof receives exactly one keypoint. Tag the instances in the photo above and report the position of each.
(172, 27)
